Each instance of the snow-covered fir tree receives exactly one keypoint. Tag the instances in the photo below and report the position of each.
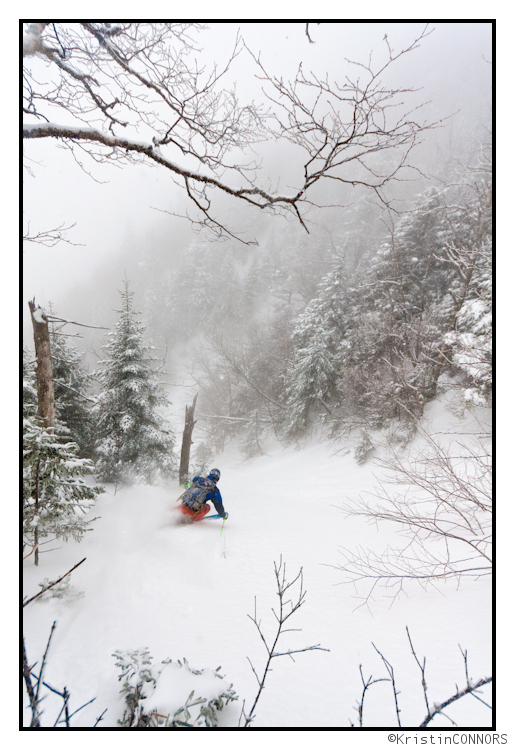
(472, 344)
(311, 379)
(30, 395)
(407, 273)
(134, 443)
(470, 339)
(56, 496)
(369, 348)
(71, 383)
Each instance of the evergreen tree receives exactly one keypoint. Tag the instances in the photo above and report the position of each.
(30, 395)
(55, 494)
(372, 348)
(71, 382)
(133, 443)
(56, 497)
(472, 345)
(407, 273)
(470, 341)
(411, 299)
(311, 379)
(410, 272)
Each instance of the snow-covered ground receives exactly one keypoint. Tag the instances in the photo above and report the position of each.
(187, 591)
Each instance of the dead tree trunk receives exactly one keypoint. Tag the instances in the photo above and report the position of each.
(189, 424)
(44, 378)
(45, 387)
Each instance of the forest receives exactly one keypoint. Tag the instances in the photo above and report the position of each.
(319, 275)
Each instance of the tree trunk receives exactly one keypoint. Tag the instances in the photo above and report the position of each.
(45, 387)
(36, 506)
(189, 424)
(45, 382)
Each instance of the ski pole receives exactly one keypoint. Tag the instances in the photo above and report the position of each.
(222, 527)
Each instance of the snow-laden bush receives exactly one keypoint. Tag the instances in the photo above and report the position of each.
(63, 591)
(364, 448)
(155, 694)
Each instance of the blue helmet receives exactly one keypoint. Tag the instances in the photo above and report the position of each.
(214, 474)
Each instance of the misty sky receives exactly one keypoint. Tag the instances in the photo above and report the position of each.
(450, 65)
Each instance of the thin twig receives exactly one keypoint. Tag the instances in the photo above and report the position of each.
(100, 718)
(422, 668)
(366, 685)
(30, 689)
(389, 669)
(281, 617)
(74, 323)
(52, 584)
(43, 662)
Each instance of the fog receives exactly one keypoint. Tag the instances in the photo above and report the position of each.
(117, 210)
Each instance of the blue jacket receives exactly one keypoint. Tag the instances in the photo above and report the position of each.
(214, 496)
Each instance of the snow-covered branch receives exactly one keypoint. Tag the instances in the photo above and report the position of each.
(117, 80)
(472, 688)
(254, 195)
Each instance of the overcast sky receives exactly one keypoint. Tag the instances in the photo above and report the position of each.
(450, 65)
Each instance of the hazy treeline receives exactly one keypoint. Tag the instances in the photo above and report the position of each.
(351, 326)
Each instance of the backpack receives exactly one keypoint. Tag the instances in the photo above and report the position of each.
(195, 495)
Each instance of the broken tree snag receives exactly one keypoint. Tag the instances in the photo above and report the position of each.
(44, 378)
(187, 442)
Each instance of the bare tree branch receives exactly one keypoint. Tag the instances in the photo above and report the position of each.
(231, 358)
(51, 237)
(366, 685)
(471, 689)
(307, 33)
(437, 708)
(134, 93)
(282, 616)
(33, 691)
(391, 675)
(53, 318)
(445, 513)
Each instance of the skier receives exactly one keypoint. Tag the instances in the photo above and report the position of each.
(194, 502)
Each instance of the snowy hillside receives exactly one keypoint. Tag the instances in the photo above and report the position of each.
(185, 591)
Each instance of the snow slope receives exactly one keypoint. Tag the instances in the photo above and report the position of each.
(187, 591)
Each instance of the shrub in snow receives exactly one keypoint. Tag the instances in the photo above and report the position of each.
(155, 694)
(64, 591)
(364, 448)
